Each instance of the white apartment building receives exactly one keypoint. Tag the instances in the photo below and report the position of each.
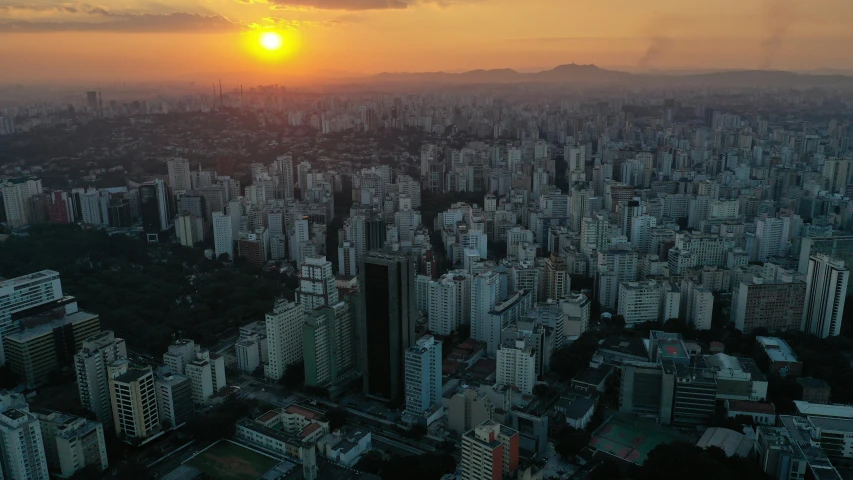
(485, 291)
(284, 337)
(91, 368)
(448, 302)
(223, 235)
(316, 284)
(702, 308)
(207, 374)
(826, 290)
(639, 301)
(423, 375)
(516, 366)
(22, 455)
(71, 443)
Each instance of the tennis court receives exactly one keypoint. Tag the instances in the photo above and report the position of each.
(628, 441)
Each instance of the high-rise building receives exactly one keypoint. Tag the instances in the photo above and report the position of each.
(774, 305)
(386, 321)
(423, 375)
(639, 301)
(316, 283)
(179, 175)
(448, 302)
(134, 401)
(48, 342)
(223, 234)
(772, 234)
(285, 171)
(516, 366)
(558, 282)
(347, 261)
(23, 296)
(284, 337)
(22, 455)
(91, 365)
(485, 293)
(826, 292)
(328, 344)
(155, 205)
(207, 375)
(174, 399)
(71, 443)
(16, 200)
(838, 246)
(489, 452)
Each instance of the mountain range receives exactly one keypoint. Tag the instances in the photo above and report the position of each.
(593, 75)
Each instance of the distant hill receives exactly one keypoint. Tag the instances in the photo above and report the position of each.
(593, 75)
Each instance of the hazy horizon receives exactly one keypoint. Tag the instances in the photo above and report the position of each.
(47, 41)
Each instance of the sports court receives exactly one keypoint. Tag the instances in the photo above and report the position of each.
(230, 461)
(628, 441)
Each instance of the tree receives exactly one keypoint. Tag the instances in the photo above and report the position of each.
(337, 418)
(681, 460)
(294, 375)
(571, 441)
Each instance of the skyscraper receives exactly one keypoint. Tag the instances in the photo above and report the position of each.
(155, 206)
(316, 283)
(328, 344)
(826, 290)
(284, 337)
(423, 375)
(386, 321)
(285, 171)
(179, 175)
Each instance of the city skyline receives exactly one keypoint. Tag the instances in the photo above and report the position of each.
(334, 39)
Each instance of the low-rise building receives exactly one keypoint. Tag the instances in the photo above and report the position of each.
(345, 446)
(782, 360)
(760, 413)
(814, 390)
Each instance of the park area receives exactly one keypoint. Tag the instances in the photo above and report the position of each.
(229, 461)
(630, 440)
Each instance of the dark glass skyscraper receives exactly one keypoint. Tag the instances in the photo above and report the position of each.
(386, 321)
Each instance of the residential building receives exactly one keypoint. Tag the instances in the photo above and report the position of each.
(174, 399)
(516, 366)
(22, 452)
(423, 376)
(91, 365)
(316, 284)
(284, 337)
(639, 301)
(466, 409)
(71, 443)
(134, 402)
(328, 339)
(774, 305)
(826, 292)
(489, 452)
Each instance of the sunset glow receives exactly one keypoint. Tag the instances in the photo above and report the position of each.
(271, 41)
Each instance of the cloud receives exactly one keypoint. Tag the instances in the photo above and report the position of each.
(89, 18)
(358, 4)
(658, 48)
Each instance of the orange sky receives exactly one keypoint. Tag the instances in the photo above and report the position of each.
(196, 39)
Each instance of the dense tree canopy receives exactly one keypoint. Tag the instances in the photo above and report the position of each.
(145, 293)
(681, 460)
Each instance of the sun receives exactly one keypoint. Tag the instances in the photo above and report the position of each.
(271, 41)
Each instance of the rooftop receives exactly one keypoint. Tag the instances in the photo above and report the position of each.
(47, 328)
(833, 411)
(832, 424)
(751, 407)
(777, 349)
(13, 282)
